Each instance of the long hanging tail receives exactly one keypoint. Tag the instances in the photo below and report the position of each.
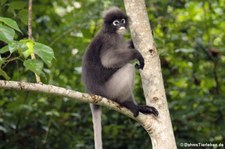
(96, 118)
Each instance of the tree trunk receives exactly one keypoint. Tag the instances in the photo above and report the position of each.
(160, 128)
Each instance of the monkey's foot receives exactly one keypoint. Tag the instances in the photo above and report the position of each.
(148, 110)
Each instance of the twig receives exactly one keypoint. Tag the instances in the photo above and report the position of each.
(30, 33)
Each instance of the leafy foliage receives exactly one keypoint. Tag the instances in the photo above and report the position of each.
(189, 36)
(24, 47)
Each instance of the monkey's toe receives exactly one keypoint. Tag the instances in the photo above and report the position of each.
(148, 110)
(135, 113)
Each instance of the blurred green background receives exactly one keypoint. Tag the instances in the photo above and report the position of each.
(190, 37)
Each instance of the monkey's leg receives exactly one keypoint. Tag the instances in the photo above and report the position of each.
(120, 88)
(96, 118)
(131, 106)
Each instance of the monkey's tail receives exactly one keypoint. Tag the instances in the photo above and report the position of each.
(96, 118)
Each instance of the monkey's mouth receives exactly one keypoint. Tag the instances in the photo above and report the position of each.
(121, 30)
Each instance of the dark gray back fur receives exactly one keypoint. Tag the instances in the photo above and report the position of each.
(94, 74)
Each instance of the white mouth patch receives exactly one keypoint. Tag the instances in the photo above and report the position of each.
(121, 30)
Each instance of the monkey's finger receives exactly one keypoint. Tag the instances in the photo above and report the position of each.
(137, 66)
(135, 113)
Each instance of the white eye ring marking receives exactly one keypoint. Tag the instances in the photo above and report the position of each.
(123, 21)
(116, 22)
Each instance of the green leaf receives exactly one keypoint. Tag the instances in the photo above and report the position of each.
(23, 16)
(11, 23)
(26, 47)
(6, 34)
(2, 2)
(2, 60)
(34, 65)
(14, 46)
(4, 49)
(4, 74)
(17, 5)
(30, 46)
(44, 52)
(30, 50)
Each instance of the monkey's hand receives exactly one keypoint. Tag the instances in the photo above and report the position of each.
(131, 44)
(141, 63)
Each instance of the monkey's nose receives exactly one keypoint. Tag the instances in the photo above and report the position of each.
(122, 28)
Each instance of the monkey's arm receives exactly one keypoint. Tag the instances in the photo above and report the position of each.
(116, 58)
(131, 46)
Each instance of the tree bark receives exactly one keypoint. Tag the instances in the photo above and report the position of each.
(160, 129)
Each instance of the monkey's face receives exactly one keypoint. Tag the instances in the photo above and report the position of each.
(120, 25)
(115, 21)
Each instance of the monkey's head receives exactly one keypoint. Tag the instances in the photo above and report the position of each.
(115, 21)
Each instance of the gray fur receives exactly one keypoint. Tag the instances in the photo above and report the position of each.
(120, 85)
(96, 114)
(116, 57)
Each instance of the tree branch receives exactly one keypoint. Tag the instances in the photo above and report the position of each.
(82, 97)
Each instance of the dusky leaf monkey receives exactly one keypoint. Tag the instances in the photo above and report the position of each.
(107, 70)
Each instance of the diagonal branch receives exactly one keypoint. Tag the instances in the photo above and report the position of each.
(59, 91)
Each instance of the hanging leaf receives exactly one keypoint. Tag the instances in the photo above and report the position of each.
(44, 52)
(4, 49)
(14, 46)
(11, 23)
(6, 33)
(34, 65)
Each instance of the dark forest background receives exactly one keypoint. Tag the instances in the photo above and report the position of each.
(190, 37)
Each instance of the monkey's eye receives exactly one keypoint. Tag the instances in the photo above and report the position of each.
(123, 21)
(116, 22)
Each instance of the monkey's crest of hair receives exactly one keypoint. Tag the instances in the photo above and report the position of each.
(112, 14)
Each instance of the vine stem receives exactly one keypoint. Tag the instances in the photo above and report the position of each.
(38, 79)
